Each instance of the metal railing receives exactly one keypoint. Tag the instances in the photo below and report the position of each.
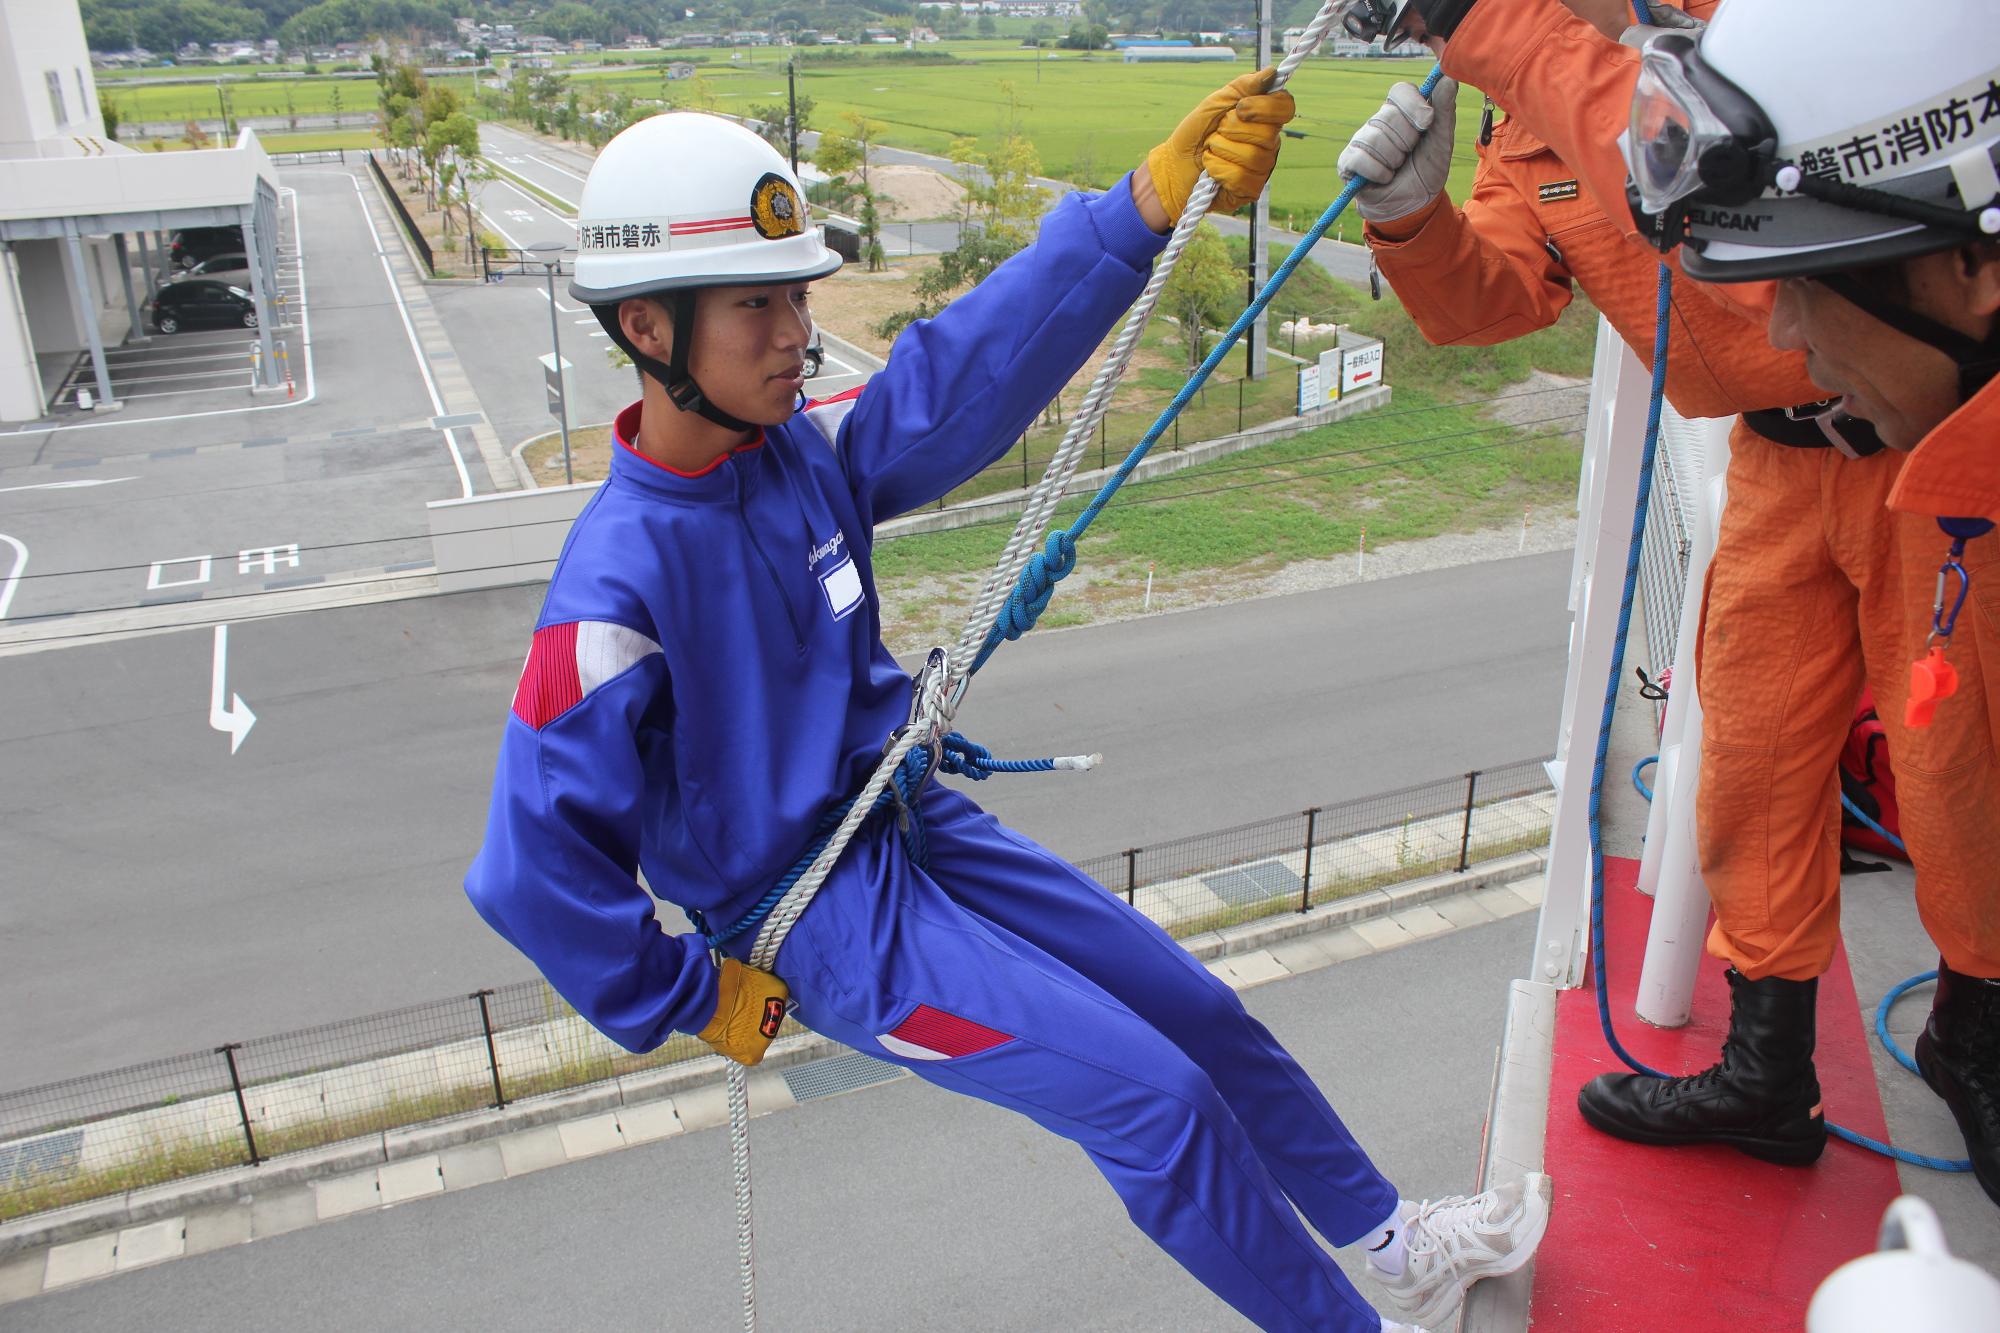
(504, 261)
(246, 1102)
(309, 157)
(410, 228)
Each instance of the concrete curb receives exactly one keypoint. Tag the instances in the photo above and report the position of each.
(1244, 955)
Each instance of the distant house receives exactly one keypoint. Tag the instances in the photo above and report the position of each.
(1149, 55)
(922, 34)
(681, 69)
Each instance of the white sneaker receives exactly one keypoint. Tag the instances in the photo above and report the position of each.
(1452, 1243)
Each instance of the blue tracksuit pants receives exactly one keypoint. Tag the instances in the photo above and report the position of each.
(1006, 974)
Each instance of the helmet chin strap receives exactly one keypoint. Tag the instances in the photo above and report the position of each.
(1977, 361)
(681, 389)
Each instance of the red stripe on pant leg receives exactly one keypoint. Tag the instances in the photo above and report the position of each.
(549, 684)
(947, 1034)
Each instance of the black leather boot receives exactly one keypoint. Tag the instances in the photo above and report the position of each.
(1959, 1056)
(1763, 1099)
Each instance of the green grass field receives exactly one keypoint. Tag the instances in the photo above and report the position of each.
(1091, 119)
(260, 97)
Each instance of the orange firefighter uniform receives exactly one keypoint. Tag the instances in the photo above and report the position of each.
(1815, 587)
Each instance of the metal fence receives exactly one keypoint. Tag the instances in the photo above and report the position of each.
(410, 227)
(503, 261)
(1663, 558)
(243, 1103)
(309, 158)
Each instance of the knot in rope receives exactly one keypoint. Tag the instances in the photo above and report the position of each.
(970, 759)
(1032, 591)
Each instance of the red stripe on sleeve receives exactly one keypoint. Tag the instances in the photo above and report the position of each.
(549, 685)
(947, 1034)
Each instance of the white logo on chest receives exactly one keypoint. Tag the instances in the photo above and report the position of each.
(840, 580)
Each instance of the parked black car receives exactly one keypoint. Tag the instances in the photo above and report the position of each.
(220, 266)
(193, 244)
(201, 303)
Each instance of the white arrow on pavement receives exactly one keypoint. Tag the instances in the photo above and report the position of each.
(236, 719)
(67, 485)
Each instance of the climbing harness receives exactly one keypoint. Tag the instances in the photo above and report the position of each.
(1016, 592)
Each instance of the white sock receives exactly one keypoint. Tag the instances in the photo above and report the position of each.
(1384, 1244)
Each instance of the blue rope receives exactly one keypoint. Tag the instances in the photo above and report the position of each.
(1902, 1058)
(1047, 567)
(1862, 816)
(1639, 782)
(1663, 306)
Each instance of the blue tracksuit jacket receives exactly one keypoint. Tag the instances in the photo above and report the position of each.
(708, 675)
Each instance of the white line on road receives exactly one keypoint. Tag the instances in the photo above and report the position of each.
(416, 349)
(537, 203)
(505, 235)
(60, 486)
(566, 309)
(535, 156)
(13, 578)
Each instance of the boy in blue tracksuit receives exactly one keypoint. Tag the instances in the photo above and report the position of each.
(707, 678)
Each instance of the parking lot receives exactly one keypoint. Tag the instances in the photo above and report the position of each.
(156, 374)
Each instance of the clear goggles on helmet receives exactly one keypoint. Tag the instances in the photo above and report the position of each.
(1694, 132)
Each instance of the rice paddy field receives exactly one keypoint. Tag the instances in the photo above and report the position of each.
(1091, 119)
(1090, 115)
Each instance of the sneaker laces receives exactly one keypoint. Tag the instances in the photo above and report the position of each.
(1433, 1227)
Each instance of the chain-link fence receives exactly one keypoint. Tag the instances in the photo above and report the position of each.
(244, 1103)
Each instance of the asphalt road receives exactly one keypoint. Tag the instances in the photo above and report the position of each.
(897, 1207)
(561, 171)
(167, 895)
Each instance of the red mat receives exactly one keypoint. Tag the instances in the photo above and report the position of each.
(1692, 1239)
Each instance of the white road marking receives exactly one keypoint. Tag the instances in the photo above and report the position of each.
(61, 486)
(534, 156)
(204, 566)
(236, 719)
(416, 349)
(566, 309)
(14, 576)
(537, 203)
(213, 388)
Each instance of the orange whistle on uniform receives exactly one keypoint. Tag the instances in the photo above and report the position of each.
(1932, 681)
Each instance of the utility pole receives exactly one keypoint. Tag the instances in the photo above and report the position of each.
(792, 111)
(550, 254)
(1256, 351)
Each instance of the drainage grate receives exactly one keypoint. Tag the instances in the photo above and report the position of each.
(26, 1163)
(1244, 885)
(839, 1073)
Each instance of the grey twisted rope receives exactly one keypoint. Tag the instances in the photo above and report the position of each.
(934, 710)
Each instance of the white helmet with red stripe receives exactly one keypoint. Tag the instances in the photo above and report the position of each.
(687, 200)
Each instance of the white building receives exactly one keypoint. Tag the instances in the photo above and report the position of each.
(79, 214)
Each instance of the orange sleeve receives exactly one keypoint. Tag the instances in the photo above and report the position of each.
(1570, 85)
(1477, 275)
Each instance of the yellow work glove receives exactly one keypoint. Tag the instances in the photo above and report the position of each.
(749, 1009)
(1233, 135)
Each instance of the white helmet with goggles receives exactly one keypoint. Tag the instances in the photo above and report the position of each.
(682, 201)
(1798, 138)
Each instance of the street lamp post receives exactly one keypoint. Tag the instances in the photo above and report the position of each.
(550, 254)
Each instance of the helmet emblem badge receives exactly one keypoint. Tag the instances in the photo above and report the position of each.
(775, 209)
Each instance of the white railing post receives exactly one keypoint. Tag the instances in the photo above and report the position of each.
(1680, 897)
(1614, 439)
